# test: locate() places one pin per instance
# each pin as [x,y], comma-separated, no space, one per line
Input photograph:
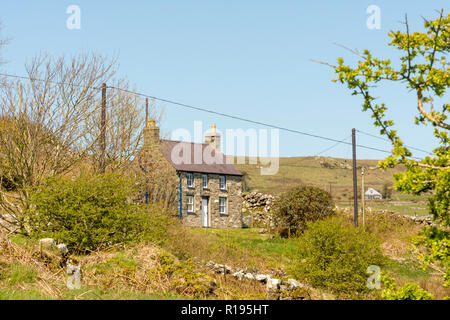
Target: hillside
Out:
[334,175]
[324,172]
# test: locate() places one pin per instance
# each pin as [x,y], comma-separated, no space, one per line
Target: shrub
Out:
[336,256]
[299,205]
[93,211]
[182,277]
[409,291]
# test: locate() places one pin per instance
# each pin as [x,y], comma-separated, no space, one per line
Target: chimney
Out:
[151,134]
[213,138]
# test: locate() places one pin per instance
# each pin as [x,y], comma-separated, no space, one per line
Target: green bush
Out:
[409,291]
[92,211]
[299,205]
[336,256]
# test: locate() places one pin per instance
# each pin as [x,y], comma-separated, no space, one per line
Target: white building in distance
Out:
[371,194]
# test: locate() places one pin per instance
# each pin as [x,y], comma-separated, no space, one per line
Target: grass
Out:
[18,274]
[20,294]
[277,252]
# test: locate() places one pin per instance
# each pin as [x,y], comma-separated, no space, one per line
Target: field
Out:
[334,175]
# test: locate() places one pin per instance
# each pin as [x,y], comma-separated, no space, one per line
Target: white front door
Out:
[205,212]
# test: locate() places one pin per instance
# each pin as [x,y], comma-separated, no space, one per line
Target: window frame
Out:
[224,182]
[203,181]
[225,206]
[190,176]
[188,204]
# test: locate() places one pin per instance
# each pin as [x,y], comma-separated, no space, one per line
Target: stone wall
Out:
[233,193]
[257,208]
[422,220]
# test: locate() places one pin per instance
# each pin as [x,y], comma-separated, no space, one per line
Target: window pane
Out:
[222,182]
[222,205]
[205,181]
[190,203]
[190,180]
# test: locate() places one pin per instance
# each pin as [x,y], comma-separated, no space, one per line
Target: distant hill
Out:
[333,174]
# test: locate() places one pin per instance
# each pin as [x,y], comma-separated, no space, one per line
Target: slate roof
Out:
[219,167]
[372,192]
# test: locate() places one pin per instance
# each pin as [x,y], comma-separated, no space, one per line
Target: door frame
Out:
[207,212]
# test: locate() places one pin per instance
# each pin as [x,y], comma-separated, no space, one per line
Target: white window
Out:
[190,180]
[222,183]
[222,205]
[205,181]
[190,203]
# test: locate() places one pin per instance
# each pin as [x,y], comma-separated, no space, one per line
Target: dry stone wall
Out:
[258,206]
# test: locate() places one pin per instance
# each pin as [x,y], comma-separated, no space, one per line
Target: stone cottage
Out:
[208,189]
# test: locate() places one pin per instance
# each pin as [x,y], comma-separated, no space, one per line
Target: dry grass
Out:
[203,246]
[44,264]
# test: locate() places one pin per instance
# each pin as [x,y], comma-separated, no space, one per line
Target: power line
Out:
[246,119]
[334,145]
[212,112]
[48,81]
[384,139]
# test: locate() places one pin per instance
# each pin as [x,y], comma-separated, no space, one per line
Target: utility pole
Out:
[147,179]
[103,131]
[146,110]
[355,184]
[362,197]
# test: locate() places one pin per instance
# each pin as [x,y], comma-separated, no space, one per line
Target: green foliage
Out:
[336,256]
[409,291]
[92,211]
[424,69]
[182,276]
[126,264]
[299,205]
[434,245]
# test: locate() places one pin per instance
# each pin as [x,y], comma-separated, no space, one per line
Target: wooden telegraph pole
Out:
[147,179]
[362,197]
[103,131]
[146,110]
[355,184]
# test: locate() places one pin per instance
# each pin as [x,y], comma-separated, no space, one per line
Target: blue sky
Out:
[247,58]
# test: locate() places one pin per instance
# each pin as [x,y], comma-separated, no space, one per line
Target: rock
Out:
[249,276]
[273,289]
[294,284]
[273,284]
[62,248]
[283,287]
[238,274]
[221,268]
[47,242]
[262,277]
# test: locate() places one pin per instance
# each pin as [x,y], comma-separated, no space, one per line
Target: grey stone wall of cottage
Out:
[233,193]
